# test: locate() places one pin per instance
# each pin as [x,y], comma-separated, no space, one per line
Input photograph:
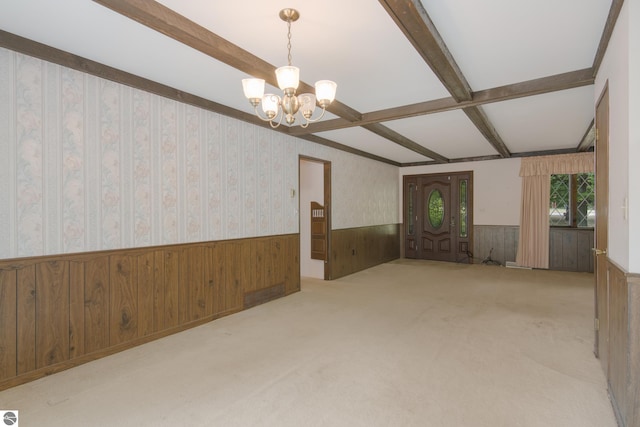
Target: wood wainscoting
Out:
[356,249]
[60,311]
[623,367]
[569,248]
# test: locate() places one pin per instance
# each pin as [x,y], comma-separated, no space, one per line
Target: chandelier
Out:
[287,106]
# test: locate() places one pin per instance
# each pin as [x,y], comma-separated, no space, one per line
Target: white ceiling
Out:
[357,44]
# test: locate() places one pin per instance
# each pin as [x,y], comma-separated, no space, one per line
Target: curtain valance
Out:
[557,164]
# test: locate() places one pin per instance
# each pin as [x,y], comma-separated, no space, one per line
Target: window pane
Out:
[463,208]
[410,210]
[559,201]
[436,209]
[585,206]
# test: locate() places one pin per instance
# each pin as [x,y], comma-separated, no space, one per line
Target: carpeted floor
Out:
[408,343]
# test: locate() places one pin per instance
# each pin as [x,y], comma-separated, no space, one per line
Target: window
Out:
[571,201]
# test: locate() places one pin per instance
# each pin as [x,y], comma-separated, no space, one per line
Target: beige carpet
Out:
[409,343]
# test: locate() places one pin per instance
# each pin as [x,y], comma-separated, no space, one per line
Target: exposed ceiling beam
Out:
[497,157]
[479,118]
[416,25]
[328,143]
[160,18]
[614,12]
[164,20]
[588,139]
[413,20]
[539,86]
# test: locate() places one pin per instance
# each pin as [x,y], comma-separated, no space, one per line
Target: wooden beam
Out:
[394,136]
[416,25]
[481,121]
[538,86]
[413,20]
[612,18]
[588,139]
[328,143]
[164,20]
[496,157]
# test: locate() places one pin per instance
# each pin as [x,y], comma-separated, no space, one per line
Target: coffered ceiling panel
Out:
[544,122]
[450,133]
[498,42]
[367,141]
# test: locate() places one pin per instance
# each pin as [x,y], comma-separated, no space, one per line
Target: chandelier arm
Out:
[265,119]
[309,120]
[279,121]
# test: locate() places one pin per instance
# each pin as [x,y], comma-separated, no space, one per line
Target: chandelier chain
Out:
[289,41]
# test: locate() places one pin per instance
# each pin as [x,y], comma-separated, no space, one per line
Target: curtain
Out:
[533,244]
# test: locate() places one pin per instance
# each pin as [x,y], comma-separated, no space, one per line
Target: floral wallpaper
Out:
[87,164]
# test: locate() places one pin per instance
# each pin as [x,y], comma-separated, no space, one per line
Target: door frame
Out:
[601,235]
[416,178]
[327,207]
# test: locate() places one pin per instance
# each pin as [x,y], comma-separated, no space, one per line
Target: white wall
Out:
[87,164]
[497,188]
[620,70]
[311,190]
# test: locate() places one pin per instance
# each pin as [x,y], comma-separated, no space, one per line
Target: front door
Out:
[601,233]
[438,216]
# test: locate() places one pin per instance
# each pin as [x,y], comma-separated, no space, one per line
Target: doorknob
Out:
[453,222]
[599,251]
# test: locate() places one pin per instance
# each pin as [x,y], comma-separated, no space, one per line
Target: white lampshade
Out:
[253,88]
[325,91]
[288,77]
[307,104]
[270,104]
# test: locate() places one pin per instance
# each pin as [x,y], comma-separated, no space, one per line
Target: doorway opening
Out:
[438,216]
[315,217]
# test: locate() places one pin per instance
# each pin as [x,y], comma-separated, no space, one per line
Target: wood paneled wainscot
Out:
[356,249]
[623,367]
[60,311]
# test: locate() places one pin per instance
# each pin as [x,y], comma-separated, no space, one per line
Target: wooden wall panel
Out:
[584,254]
[8,326]
[123,314]
[499,242]
[52,308]
[276,256]
[259,248]
[239,272]
[171,276]
[633,379]
[192,293]
[96,303]
[158,291]
[292,265]
[355,249]
[618,331]
[569,249]
[145,279]
[63,310]
[215,278]
[76,309]
[26,331]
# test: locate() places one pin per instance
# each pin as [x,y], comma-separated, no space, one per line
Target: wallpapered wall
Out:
[87,164]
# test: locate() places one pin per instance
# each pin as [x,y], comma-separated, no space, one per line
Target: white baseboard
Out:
[512,264]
